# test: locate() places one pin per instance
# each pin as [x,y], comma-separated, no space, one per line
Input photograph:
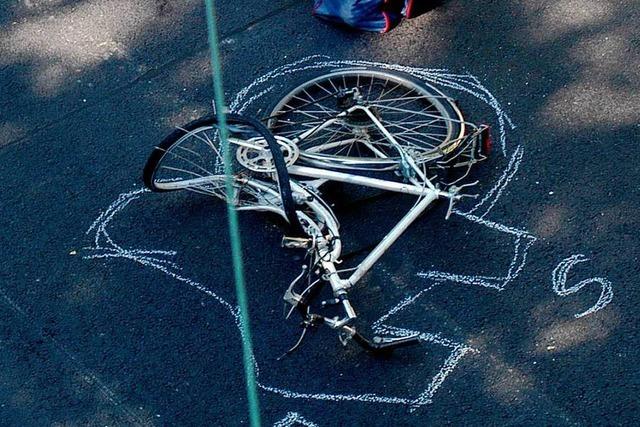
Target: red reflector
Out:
[487,141]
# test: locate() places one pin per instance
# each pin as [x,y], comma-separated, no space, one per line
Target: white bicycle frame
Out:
[328,258]
[328,252]
[322,227]
[299,202]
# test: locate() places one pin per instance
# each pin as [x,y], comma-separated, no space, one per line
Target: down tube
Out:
[390,238]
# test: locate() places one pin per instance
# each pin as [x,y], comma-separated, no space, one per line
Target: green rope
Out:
[234,231]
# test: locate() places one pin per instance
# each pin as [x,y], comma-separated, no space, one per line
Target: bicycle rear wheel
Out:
[424,122]
[192,158]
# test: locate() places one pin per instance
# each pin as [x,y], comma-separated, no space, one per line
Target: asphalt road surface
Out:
[147,338]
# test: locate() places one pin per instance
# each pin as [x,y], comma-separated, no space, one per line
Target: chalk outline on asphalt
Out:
[105,247]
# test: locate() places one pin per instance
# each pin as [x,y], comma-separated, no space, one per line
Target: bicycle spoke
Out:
[322,135]
[421,112]
[383,141]
[189,151]
[409,99]
[207,173]
[417,116]
[408,131]
[325,89]
[370,87]
[325,109]
[388,92]
[401,104]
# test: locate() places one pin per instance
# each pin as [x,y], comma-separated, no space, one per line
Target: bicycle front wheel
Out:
[192,158]
[423,121]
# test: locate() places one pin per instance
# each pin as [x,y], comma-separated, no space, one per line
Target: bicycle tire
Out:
[199,166]
[290,117]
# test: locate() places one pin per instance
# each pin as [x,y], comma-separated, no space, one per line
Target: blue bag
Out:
[369,15]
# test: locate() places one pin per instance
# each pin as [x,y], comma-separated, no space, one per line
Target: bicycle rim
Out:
[423,121]
[192,158]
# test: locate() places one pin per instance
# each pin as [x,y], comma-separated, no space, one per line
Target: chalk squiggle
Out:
[559,280]
[494,194]
[458,350]
[106,247]
[522,241]
[293,418]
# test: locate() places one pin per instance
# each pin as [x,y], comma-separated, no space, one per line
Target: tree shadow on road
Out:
[88,88]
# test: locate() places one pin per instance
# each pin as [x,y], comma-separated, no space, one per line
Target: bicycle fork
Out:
[340,286]
[379,345]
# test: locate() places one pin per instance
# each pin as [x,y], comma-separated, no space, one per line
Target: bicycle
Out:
[366,127]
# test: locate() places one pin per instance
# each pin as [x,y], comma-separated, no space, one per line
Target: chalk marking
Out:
[448,366]
[494,225]
[559,280]
[292,419]
[105,247]
[494,194]
[523,240]
[458,350]
[462,82]
[521,244]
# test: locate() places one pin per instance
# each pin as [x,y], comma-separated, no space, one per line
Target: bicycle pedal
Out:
[344,338]
[296,242]
[394,342]
[385,345]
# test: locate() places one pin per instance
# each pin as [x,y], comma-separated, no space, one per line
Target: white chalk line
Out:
[448,366]
[399,307]
[425,397]
[522,241]
[363,398]
[559,280]
[494,225]
[494,194]
[102,240]
[462,82]
[465,83]
[292,419]
[458,350]
[105,247]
